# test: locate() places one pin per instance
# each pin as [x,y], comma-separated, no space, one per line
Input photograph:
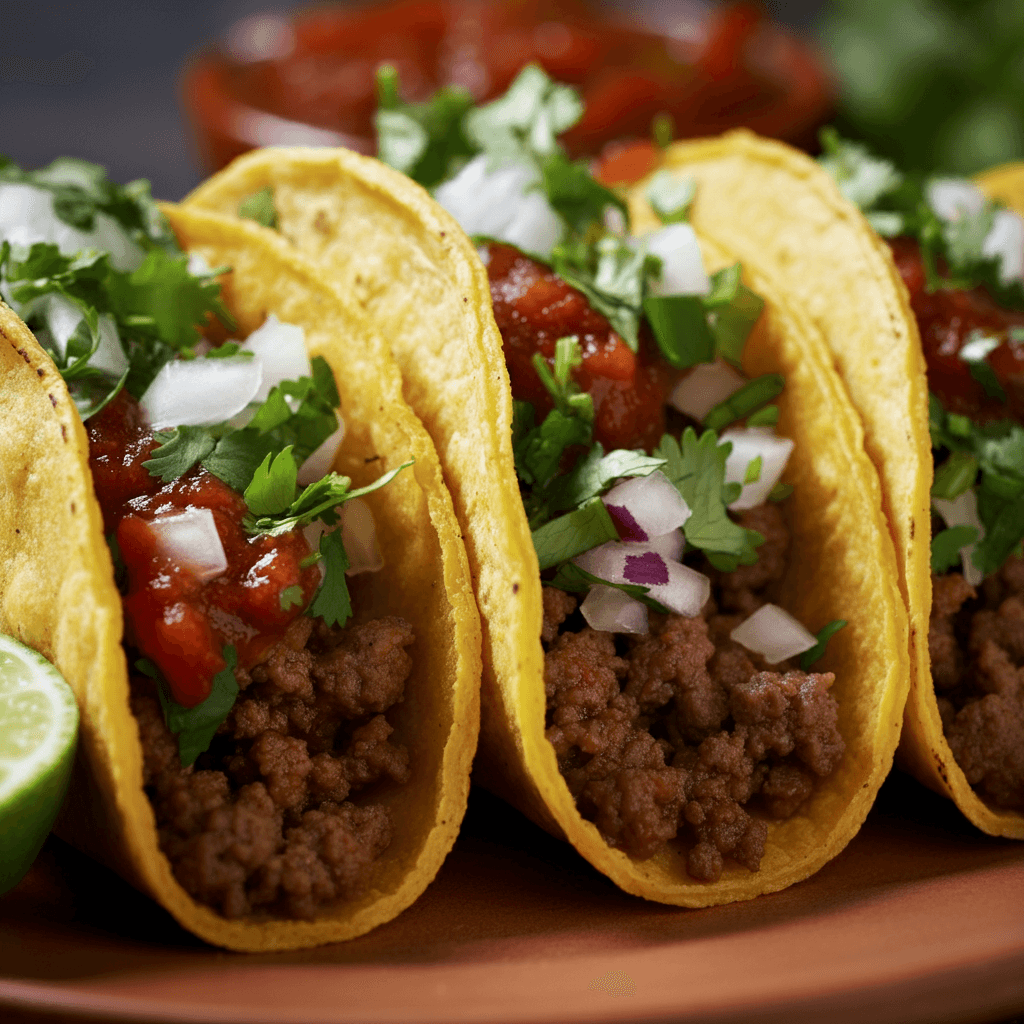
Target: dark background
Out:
[98,80]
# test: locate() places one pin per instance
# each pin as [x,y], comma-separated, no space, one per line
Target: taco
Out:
[279,753]
[618,709]
[844,274]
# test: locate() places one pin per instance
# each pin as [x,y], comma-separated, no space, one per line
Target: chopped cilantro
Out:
[195,727]
[179,450]
[272,488]
[680,327]
[808,658]
[332,602]
[956,475]
[766,417]
[780,492]
[572,534]
[753,470]
[260,207]
[594,473]
[574,193]
[946,545]
[290,597]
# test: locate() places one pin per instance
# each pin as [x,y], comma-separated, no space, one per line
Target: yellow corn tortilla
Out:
[426,288]
[57,590]
[776,208]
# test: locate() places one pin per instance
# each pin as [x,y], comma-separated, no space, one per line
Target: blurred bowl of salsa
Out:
[308,78]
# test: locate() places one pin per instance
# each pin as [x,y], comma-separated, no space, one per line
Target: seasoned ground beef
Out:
[263,821]
[976,643]
[684,733]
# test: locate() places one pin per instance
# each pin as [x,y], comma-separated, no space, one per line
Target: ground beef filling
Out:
[683,733]
[265,820]
[976,644]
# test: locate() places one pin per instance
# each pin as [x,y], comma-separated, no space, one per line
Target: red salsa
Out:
[534,307]
[728,67]
[173,618]
[946,317]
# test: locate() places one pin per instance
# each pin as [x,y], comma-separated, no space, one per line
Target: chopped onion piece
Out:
[612,611]
[774,634]
[1006,240]
[313,532]
[682,267]
[643,507]
[282,350]
[27,216]
[963,511]
[198,265]
[201,392]
[502,203]
[359,534]
[192,540]
[686,592]
[951,198]
[63,318]
[704,387]
[668,545]
[319,462]
[747,445]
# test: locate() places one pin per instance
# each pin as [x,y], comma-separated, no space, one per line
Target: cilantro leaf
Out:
[332,602]
[272,488]
[751,396]
[671,196]
[697,469]
[290,597]
[595,472]
[572,534]
[196,727]
[946,545]
[680,327]
[260,207]
[237,456]
[1003,532]
[956,475]
[179,450]
[574,193]
[808,658]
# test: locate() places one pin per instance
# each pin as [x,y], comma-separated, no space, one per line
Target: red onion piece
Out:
[774,634]
[704,387]
[747,445]
[192,541]
[612,611]
[643,507]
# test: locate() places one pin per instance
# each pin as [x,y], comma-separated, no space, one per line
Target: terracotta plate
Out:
[921,919]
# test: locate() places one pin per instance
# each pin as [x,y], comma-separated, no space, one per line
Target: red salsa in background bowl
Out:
[309,78]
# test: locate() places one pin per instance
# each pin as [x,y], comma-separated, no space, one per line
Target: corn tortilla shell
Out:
[776,207]
[438,320]
[57,590]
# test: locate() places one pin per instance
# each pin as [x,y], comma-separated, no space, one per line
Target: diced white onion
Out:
[319,462]
[952,198]
[668,545]
[192,541]
[704,387]
[281,348]
[612,611]
[27,216]
[62,317]
[359,535]
[197,264]
[201,392]
[686,592]
[774,634]
[1006,240]
[313,532]
[747,445]
[643,507]
[504,203]
[963,511]
[682,267]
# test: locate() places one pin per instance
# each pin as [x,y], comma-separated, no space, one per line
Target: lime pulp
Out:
[38,732]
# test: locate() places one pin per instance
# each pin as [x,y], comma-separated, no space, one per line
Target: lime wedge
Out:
[38,730]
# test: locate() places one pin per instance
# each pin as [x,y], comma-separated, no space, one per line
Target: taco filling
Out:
[260,714]
[677,701]
[962,261]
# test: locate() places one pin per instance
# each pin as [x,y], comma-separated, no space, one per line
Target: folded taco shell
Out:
[57,590]
[426,288]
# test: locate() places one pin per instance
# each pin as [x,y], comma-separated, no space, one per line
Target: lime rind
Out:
[38,733]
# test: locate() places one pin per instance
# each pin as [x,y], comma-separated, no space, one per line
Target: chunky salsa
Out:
[946,318]
[178,621]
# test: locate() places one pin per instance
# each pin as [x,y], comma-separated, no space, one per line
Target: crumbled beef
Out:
[264,820]
[683,733]
[976,642]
